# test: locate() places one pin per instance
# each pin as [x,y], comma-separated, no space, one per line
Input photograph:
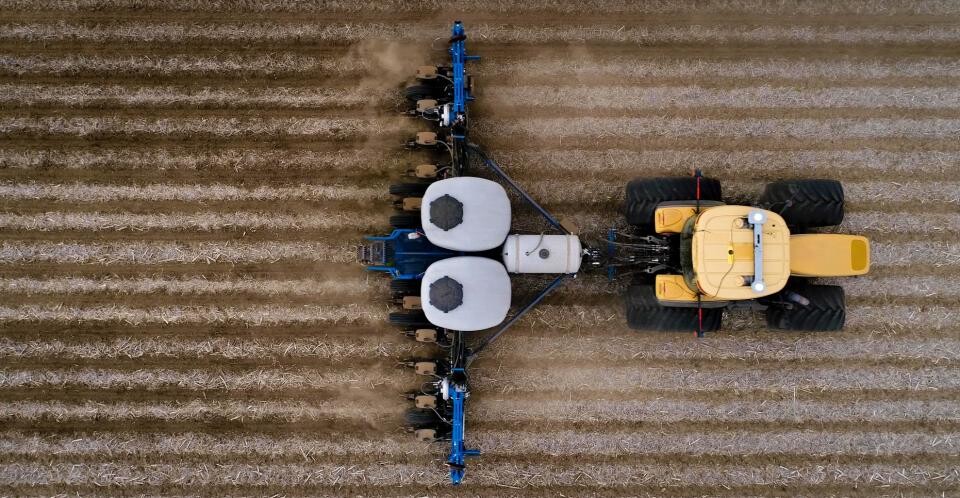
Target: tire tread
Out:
[812,203]
[644,312]
[825,313]
[644,194]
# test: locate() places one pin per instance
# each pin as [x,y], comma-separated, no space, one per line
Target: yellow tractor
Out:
[721,256]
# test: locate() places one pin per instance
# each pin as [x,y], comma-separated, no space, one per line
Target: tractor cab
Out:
[706,256]
[735,252]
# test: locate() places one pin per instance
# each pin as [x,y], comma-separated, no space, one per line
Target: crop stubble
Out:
[178,196]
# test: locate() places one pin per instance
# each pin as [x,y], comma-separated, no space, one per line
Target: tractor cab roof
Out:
[723,253]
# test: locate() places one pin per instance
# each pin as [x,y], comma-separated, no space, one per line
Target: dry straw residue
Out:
[147,253]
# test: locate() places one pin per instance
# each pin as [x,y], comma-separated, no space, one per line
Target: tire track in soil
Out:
[277,33]
[111,474]
[899,332]
[567,8]
[506,444]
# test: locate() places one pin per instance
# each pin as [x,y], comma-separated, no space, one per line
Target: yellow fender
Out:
[672,290]
[670,219]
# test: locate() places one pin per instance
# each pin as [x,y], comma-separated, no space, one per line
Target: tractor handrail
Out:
[756,219]
[490,163]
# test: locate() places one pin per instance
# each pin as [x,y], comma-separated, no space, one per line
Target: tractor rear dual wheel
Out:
[802,203]
[826,311]
[645,194]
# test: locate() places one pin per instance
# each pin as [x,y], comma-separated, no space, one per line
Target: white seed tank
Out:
[465,293]
[465,214]
[542,253]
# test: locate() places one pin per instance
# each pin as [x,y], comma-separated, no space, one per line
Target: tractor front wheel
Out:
[644,312]
[645,194]
[805,203]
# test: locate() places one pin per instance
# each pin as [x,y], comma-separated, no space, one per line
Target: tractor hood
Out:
[723,253]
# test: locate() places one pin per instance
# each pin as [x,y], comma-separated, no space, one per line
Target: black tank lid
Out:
[446,294]
[446,212]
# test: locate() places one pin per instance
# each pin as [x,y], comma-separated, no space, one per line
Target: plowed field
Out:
[182,184]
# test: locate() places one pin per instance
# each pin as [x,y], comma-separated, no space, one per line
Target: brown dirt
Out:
[141,341]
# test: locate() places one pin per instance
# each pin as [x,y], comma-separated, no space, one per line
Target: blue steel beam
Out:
[459,58]
[458,450]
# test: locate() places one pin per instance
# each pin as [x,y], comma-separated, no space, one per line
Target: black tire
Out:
[644,312]
[405,287]
[826,311]
[408,189]
[805,203]
[408,319]
[420,92]
[644,194]
[421,419]
[405,220]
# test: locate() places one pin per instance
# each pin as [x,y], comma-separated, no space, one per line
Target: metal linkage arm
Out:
[503,328]
[490,163]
